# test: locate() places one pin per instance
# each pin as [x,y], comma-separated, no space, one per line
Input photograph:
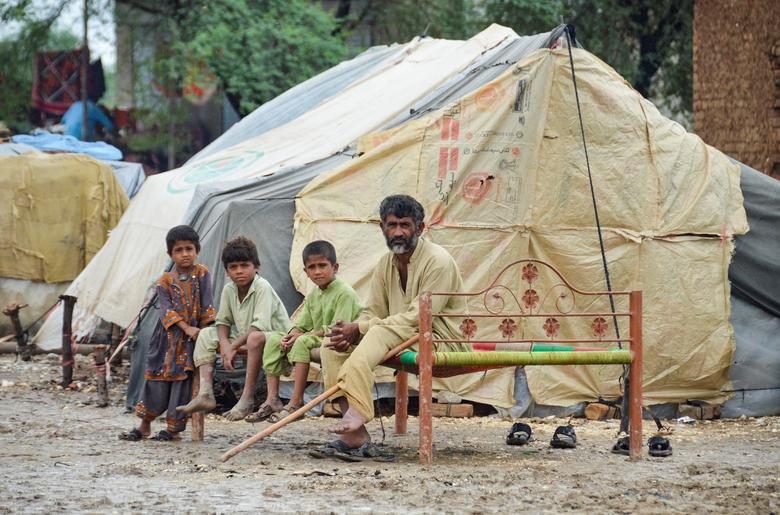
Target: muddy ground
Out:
[59,453]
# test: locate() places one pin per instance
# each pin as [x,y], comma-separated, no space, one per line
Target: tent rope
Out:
[569,30]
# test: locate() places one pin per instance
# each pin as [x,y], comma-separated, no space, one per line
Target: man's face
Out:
[242,272]
[400,233]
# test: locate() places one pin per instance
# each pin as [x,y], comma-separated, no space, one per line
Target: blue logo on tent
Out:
[219,168]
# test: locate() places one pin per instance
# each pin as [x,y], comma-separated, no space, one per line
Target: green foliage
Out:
[18,50]
[257,49]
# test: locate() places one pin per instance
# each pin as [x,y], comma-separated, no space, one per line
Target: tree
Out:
[18,50]
[649,42]
[256,49]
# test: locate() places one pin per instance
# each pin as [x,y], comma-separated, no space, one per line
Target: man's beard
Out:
[401,245]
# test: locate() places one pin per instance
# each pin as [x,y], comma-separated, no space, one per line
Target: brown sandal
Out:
[283,413]
[265,411]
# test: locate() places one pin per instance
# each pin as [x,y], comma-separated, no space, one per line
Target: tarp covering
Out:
[304,97]
[755,270]
[502,176]
[131,176]
[55,211]
[112,286]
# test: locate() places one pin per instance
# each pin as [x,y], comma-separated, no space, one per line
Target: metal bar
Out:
[67,351]
[197,417]
[401,402]
[535,340]
[425,365]
[500,358]
[529,315]
[635,377]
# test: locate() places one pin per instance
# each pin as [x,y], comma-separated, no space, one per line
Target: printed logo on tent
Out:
[477,186]
[490,97]
[219,168]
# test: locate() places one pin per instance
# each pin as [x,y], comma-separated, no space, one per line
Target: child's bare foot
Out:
[240,410]
[203,402]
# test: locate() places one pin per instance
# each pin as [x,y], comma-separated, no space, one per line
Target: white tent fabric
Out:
[112,286]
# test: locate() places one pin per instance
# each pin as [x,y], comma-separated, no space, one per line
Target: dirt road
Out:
[59,453]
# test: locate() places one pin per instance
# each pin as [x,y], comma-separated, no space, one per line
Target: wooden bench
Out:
[505,311]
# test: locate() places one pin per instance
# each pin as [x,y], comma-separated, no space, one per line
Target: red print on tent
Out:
[476,187]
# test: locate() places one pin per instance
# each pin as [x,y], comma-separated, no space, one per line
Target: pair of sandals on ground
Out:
[565,438]
[268,413]
[134,435]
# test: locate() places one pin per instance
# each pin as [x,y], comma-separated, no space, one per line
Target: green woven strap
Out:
[465,359]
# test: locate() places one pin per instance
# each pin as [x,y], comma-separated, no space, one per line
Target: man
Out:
[412,267]
[72,120]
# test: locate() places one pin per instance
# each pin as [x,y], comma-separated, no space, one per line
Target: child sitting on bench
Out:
[332,300]
[251,315]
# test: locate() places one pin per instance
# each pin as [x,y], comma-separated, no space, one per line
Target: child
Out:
[250,316]
[332,300]
[186,306]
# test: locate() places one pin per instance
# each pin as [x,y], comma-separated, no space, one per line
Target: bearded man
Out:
[414,265]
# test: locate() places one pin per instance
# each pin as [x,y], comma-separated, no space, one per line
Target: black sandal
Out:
[134,435]
[564,438]
[164,436]
[520,434]
[622,446]
[659,447]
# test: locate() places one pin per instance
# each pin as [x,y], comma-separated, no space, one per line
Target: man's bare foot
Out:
[203,402]
[239,411]
[352,429]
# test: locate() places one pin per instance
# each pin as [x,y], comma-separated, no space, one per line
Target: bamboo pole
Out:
[302,410]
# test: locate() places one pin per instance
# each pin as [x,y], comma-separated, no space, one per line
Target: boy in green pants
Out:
[251,315]
[332,300]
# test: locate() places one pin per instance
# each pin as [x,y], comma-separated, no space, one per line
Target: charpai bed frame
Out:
[515,311]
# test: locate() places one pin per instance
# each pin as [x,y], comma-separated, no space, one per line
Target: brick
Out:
[453,410]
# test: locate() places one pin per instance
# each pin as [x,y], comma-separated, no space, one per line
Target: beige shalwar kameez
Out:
[391,317]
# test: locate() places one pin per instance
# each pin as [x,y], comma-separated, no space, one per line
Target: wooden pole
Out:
[99,355]
[401,402]
[67,351]
[302,410]
[197,417]
[635,376]
[84,81]
[425,366]
[12,311]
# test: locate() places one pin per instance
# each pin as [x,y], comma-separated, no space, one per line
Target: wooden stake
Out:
[99,355]
[67,350]
[302,410]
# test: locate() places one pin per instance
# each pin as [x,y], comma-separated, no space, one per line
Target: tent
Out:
[55,211]
[262,206]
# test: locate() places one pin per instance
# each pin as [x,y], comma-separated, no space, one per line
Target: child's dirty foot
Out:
[200,403]
[239,411]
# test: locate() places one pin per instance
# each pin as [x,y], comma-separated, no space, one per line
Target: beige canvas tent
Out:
[55,212]
[502,175]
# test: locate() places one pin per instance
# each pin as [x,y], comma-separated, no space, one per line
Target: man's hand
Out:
[342,335]
[287,341]
[192,332]
[227,354]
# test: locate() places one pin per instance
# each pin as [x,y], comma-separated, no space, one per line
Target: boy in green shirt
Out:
[332,300]
[251,315]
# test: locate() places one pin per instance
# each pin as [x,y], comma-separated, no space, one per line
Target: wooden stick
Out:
[303,409]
